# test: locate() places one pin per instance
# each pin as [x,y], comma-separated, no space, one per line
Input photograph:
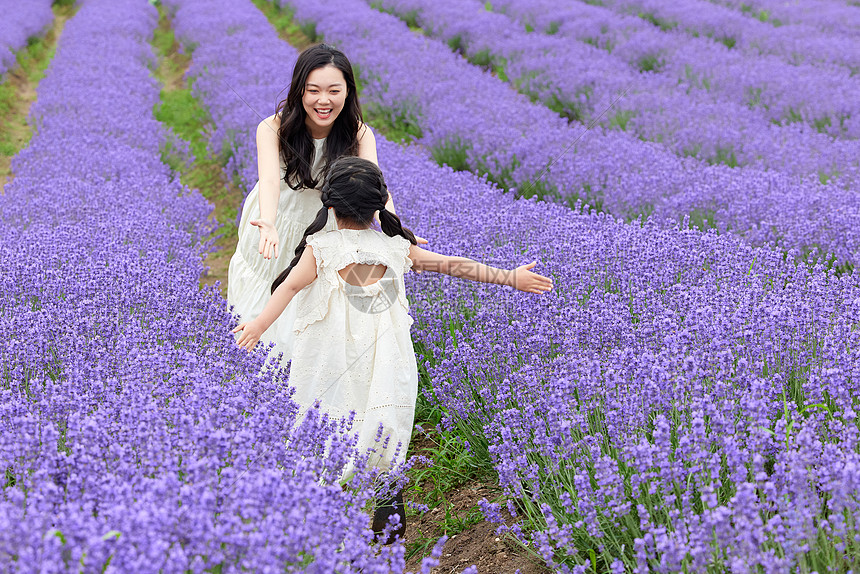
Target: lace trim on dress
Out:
[337,248]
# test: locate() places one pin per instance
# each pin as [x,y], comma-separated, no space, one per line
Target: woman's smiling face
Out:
[323,99]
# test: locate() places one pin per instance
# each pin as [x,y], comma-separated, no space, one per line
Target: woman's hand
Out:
[525,280]
[268,238]
[251,333]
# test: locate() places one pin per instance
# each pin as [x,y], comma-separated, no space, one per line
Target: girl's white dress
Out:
[352,350]
[250,275]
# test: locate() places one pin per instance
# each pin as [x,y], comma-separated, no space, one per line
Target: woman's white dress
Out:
[250,275]
[352,350]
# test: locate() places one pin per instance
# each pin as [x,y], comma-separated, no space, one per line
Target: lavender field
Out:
[684,400]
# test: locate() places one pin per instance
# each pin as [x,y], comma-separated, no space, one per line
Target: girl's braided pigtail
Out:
[391,226]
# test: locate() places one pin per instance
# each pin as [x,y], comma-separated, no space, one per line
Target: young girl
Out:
[352,349]
[318,122]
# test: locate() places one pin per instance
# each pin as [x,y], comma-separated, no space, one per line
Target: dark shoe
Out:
[384,510]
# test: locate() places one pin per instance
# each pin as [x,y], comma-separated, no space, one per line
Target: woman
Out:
[318,122]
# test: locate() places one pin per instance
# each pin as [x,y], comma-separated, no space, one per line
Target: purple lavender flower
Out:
[817,94]
[828,16]
[21,22]
[682,400]
[794,43]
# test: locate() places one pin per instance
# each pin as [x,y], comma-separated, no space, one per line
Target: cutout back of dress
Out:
[362,274]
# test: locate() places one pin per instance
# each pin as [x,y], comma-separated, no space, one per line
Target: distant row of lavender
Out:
[644,321]
[581,81]
[20,22]
[827,15]
[795,43]
[779,91]
[472,120]
[238,93]
[134,435]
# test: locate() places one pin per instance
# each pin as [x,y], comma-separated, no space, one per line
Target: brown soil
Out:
[171,69]
[13,123]
[477,545]
[471,540]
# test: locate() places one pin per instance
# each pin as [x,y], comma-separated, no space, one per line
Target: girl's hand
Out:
[251,333]
[525,280]
[268,238]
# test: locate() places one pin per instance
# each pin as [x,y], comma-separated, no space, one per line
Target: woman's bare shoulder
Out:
[365,131]
[273,121]
[267,130]
[366,144]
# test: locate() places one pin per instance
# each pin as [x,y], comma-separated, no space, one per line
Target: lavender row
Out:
[134,435]
[827,15]
[795,44]
[783,93]
[497,131]
[644,321]
[21,21]
[638,409]
[580,82]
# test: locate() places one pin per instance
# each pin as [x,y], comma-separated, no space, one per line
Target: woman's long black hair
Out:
[295,141]
[356,190]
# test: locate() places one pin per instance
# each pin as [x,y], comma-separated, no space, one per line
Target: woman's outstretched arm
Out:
[268,168]
[521,278]
[300,277]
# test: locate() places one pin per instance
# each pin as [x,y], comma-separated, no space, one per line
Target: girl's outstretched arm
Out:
[300,277]
[521,278]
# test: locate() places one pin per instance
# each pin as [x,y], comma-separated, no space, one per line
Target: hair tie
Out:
[325,197]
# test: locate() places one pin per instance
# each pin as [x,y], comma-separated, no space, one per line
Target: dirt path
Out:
[20,85]
[476,545]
